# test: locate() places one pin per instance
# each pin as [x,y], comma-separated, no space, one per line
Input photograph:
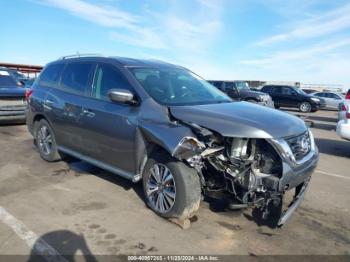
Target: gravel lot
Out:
[79,209]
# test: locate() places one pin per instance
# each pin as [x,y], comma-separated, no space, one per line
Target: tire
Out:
[45,141]
[184,186]
[305,107]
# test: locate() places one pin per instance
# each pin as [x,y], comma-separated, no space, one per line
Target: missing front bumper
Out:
[298,198]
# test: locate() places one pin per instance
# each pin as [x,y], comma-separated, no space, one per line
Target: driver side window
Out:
[108,77]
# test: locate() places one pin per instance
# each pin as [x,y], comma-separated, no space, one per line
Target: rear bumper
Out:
[13,114]
[343,129]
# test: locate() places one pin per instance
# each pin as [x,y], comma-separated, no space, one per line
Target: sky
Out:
[289,40]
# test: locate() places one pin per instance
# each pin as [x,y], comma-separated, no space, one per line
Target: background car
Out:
[239,90]
[12,99]
[332,99]
[21,78]
[290,96]
[343,108]
[347,96]
[343,126]
[309,91]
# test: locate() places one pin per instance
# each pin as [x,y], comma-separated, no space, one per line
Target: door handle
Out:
[88,112]
[48,104]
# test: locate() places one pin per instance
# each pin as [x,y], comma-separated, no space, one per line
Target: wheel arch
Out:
[155,138]
[251,98]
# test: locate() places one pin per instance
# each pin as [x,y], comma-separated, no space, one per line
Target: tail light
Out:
[28,94]
[348,115]
[347,95]
[343,108]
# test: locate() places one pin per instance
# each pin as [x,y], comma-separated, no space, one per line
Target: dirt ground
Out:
[76,208]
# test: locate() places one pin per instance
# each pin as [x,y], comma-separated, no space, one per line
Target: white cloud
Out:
[163,30]
[299,54]
[102,15]
[320,25]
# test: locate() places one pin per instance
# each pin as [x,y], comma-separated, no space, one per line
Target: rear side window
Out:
[217,84]
[276,90]
[266,89]
[287,91]
[50,75]
[230,85]
[108,77]
[76,77]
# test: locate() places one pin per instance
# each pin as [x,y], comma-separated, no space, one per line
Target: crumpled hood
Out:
[241,119]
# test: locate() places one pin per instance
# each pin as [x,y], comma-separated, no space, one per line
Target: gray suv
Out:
[164,125]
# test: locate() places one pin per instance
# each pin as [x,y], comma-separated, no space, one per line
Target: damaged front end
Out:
[254,172]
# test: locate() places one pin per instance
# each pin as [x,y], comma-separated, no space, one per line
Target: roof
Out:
[142,62]
[124,61]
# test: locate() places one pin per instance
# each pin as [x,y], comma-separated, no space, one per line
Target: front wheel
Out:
[305,107]
[171,188]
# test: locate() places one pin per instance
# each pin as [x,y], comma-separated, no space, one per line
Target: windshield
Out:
[242,85]
[300,91]
[178,87]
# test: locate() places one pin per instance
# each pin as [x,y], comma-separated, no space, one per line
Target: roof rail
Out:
[78,55]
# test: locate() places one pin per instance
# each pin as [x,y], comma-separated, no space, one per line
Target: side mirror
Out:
[123,96]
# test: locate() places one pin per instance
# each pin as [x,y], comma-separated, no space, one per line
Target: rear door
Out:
[64,105]
[109,128]
[334,100]
[289,97]
[277,97]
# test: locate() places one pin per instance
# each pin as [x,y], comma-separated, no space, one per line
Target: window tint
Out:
[50,75]
[320,94]
[217,84]
[108,77]
[276,90]
[230,85]
[76,77]
[266,89]
[287,91]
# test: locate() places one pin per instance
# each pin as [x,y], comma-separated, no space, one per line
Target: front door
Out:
[109,127]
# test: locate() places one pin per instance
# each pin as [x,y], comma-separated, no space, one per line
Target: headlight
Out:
[188,147]
[263,97]
[315,99]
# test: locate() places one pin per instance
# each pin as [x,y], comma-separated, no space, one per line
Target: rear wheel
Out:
[45,141]
[171,188]
[305,107]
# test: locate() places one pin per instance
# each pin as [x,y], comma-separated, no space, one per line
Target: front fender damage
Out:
[248,169]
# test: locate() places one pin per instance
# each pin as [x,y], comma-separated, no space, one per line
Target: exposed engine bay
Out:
[248,169]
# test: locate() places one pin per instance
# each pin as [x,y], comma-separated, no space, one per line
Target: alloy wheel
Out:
[44,138]
[305,107]
[160,188]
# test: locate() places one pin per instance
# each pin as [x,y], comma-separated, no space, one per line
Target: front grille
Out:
[300,145]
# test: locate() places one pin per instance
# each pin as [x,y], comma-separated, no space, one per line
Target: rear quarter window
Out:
[51,74]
